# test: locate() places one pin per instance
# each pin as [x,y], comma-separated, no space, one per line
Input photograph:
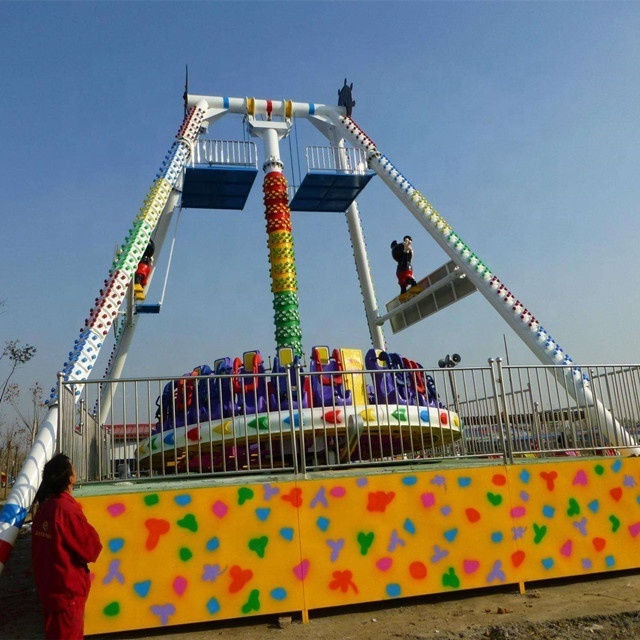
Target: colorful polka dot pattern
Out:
[220,552]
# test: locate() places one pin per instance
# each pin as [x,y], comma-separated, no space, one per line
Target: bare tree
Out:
[17,356]
[32,418]
[14,447]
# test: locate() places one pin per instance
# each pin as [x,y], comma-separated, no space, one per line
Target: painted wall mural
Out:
[196,552]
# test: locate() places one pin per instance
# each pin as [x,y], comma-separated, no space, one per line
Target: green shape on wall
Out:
[151,499]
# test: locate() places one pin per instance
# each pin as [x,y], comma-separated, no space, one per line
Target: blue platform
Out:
[217,187]
[148,308]
[329,191]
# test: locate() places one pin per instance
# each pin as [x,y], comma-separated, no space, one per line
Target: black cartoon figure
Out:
[403,255]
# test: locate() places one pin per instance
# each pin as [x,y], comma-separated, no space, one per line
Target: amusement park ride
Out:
[200,172]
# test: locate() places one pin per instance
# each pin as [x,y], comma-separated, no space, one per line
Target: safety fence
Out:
[339,159]
[231,153]
[296,421]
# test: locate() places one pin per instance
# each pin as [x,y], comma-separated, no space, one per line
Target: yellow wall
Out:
[176,556]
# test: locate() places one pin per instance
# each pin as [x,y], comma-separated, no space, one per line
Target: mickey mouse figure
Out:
[403,255]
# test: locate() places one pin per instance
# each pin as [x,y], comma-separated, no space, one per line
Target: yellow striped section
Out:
[280,285]
[286,267]
[281,239]
[155,201]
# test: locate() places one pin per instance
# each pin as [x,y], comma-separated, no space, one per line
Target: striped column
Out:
[96,327]
[521,320]
[542,344]
[105,310]
[284,284]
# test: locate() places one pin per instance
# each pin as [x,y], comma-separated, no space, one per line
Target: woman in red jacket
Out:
[62,543]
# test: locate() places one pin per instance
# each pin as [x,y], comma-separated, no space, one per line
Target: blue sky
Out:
[518,121]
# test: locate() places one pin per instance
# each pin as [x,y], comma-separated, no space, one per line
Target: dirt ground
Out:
[606,607]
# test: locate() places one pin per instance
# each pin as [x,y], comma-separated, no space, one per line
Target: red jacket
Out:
[62,543]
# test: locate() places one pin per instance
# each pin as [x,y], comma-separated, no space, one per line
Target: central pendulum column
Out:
[284,284]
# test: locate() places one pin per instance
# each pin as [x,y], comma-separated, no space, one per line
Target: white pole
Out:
[91,338]
[358,244]
[23,492]
[364,277]
[521,320]
[121,350]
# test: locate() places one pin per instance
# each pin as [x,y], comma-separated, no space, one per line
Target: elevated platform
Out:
[222,175]
[217,187]
[329,191]
[438,290]
[148,307]
[335,177]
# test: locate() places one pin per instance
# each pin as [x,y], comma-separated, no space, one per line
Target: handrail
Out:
[272,422]
[345,160]
[224,153]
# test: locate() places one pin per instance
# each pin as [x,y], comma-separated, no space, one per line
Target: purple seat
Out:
[179,403]
[279,396]
[251,391]
[402,392]
[326,382]
[377,363]
[218,393]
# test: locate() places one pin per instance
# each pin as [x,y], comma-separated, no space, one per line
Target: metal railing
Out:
[276,421]
[339,159]
[224,153]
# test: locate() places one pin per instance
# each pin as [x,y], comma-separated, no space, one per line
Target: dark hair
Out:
[408,238]
[56,477]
